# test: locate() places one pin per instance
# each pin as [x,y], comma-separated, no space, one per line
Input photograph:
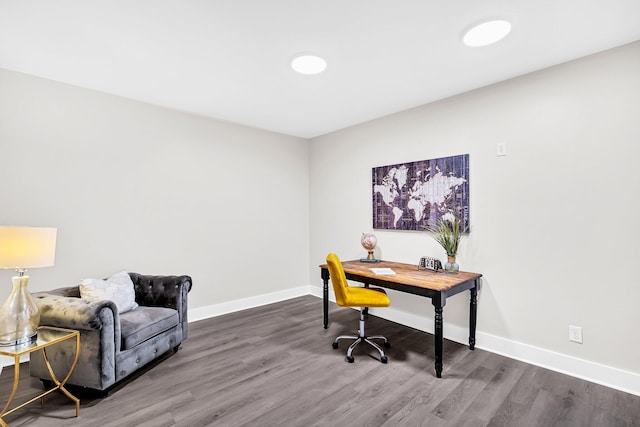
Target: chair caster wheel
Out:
[334,345]
[387,344]
[350,359]
[384,359]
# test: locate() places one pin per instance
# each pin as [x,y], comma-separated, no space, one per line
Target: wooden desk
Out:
[437,286]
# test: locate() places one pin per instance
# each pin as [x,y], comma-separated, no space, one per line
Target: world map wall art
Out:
[410,196]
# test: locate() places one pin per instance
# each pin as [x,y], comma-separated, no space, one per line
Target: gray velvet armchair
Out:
[114,345]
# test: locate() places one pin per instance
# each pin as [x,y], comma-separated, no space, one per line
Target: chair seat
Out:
[142,323]
[365,297]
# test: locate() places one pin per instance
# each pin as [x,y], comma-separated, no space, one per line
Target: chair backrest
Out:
[338,278]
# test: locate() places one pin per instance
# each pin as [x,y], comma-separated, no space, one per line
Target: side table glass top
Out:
[47,335]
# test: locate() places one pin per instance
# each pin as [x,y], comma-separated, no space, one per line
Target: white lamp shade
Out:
[27,247]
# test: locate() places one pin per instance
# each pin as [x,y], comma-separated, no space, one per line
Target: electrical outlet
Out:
[501,149]
[575,334]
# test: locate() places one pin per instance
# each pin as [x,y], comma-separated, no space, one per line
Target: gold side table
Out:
[47,336]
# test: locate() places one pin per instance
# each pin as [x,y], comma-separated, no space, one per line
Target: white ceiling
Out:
[229,59]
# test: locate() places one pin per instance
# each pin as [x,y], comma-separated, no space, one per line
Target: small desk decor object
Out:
[369,242]
[47,337]
[429,263]
[447,233]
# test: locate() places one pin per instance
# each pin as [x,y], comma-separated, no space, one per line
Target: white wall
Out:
[141,188]
[555,223]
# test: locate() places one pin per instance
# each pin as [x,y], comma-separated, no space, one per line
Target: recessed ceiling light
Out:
[487,33]
[306,63]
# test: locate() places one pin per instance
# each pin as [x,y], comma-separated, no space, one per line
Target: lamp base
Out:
[19,315]
[22,342]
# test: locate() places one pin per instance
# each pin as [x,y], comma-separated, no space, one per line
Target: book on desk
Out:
[383,271]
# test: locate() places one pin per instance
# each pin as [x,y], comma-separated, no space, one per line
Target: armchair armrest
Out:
[100,336]
[75,313]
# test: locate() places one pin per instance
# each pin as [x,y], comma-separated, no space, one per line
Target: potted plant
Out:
[447,234]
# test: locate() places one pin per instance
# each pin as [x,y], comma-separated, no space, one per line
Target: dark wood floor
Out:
[274,366]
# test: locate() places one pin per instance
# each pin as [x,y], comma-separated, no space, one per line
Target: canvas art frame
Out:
[416,195]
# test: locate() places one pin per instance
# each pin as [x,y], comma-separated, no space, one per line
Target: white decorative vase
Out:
[20,315]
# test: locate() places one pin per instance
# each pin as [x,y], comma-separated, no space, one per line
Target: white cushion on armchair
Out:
[117,288]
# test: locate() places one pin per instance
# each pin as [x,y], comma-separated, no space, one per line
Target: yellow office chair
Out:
[351,296]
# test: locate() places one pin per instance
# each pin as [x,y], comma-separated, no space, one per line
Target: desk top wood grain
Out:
[408,274]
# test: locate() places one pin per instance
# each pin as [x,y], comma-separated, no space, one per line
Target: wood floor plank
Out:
[486,404]
[274,366]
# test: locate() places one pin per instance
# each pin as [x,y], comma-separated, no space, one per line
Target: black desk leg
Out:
[365,310]
[437,303]
[473,313]
[325,297]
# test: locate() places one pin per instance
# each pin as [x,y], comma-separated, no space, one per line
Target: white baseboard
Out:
[619,379]
[200,313]
[609,376]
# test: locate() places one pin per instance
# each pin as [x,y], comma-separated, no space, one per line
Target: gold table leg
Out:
[59,385]
[16,379]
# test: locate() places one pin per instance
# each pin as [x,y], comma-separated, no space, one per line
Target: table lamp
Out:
[22,248]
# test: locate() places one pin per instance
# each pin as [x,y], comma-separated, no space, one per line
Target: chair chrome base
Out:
[360,338]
